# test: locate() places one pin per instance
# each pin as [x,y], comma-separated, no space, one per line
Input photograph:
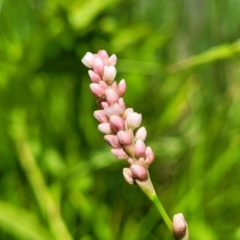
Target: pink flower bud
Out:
[139,172]
[121,88]
[119,153]
[111,96]
[127,173]
[97,90]
[102,83]
[93,76]
[113,110]
[125,138]
[104,128]
[112,60]
[122,104]
[88,60]
[134,119]
[117,123]
[180,228]
[98,66]
[102,103]
[139,149]
[102,54]
[149,156]
[100,116]
[112,140]
[141,134]
[109,73]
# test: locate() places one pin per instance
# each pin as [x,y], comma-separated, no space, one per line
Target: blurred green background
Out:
[181,63]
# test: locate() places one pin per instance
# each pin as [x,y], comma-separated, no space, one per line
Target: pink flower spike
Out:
[139,172]
[113,110]
[127,173]
[109,73]
[119,153]
[111,96]
[139,149]
[141,134]
[117,123]
[149,156]
[134,120]
[104,128]
[93,76]
[97,90]
[124,138]
[88,60]
[112,60]
[121,88]
[98,66]
[112,140]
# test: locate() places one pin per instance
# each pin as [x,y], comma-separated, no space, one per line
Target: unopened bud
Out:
[105,128]
[116,123]
[111,96]
[112,140]
[127,173]
[121,88]
[94,76]
[149,156]
[119,153]
[97,90]
[180,228]
[100,116]
[125,138]
[112,60]
[139,149]
[98,66]
[88,60]
[109,73]
[141,134]
[139,172]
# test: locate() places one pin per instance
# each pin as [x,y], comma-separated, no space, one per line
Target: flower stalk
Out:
[120,126]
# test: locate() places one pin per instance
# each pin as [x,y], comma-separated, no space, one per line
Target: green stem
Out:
[148,189]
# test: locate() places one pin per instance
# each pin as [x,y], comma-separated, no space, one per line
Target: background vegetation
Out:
[181,63]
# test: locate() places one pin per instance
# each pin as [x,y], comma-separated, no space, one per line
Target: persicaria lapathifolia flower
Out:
[118,123]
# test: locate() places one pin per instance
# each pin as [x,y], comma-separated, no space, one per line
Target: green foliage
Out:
[181,63]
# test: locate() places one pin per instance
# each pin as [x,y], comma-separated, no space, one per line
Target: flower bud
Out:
[133,119]
[109,73]
[141,134]
[180,228]
[88,60]
[102,54]
[127,173]
[139,172]
[122,104]
[149,156]
[98,66]
[112,60]
[112,140]
[121,88]
[111,96]
[139,148]
[115,109]
[94,76]
[102,103]
[100,116]
[104,128]
[97,90]
[125,138]
[116,123]
[119,153]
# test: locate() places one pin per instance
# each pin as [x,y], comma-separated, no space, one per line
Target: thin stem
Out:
[162,211]
[148,189]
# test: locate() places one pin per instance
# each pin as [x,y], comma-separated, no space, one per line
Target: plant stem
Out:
[148,189]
